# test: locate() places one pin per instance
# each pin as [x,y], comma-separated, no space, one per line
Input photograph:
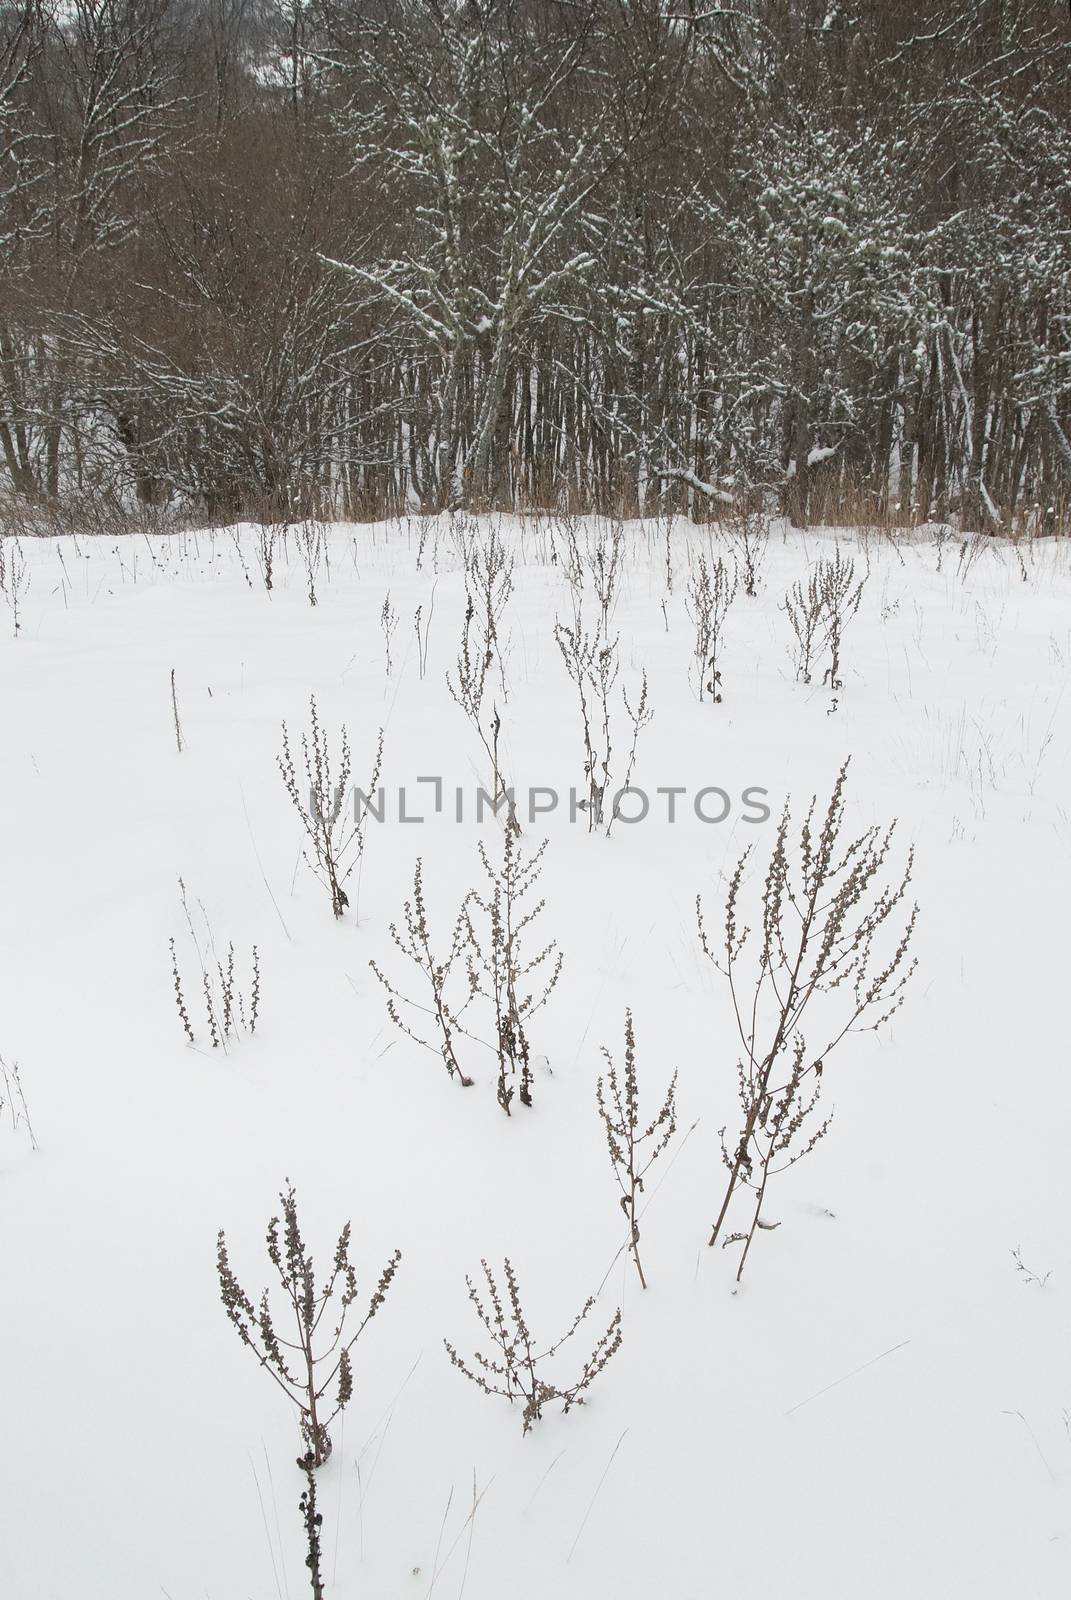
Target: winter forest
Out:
[279,258]
[535,839]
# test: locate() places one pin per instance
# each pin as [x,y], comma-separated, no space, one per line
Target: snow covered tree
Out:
[500,128]
[824,259]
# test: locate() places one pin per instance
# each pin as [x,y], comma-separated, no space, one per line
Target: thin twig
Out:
[854,1372]
[595,1496]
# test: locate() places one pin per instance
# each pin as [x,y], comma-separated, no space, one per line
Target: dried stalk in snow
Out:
[499,968]
[633,1148]
[834,931]
[516,1370]
[335,833]
[316,1376]
[415,945]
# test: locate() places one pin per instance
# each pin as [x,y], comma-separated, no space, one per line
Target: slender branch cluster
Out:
[711,591]
[516,985]
[14,577]
[834,939]
[13,1101]
[415,944]
[819,612]
[311,539]
[334,831]
[633,1148]
[388,621]
[228,1010]
[313,1366]
[749,532]
[592,662]
[488,587]
[604,554]
[516,1370]
[840,601]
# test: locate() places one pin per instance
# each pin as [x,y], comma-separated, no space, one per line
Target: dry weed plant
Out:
[14,577]
[633,1148]
[388,621]
[488,953]
[1028,1275]
[592,553]
[93,514]
[240,553]
[422,630]
[591,660]
[464,536]
[311,539]
[604,558]
[565,531]
[489,584]
[832,926]
[749,536]
[804,607]
[227,1010]
[969,551]
[668,517]
[265,552]
[13,1101]
[711,591]
[840,598]
[314,1366]
[334,831]
[425,529]
[515,984]
[488,587]
[415,944]
[516,1370]
[819,612]
[175,712]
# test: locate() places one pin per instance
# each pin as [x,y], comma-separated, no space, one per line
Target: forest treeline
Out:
[277,258]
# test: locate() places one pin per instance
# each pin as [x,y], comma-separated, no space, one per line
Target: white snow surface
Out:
[882,1409]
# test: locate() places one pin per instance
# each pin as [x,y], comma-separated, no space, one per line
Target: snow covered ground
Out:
[885,1405]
